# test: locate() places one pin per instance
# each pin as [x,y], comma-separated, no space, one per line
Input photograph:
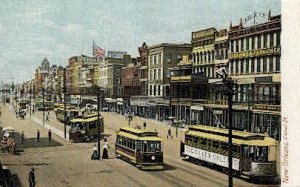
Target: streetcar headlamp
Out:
[153,157]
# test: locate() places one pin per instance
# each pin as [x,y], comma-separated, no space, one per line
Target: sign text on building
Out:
[254,53]
[267,107]
[203,33]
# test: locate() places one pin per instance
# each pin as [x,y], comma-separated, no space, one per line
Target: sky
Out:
[58,29]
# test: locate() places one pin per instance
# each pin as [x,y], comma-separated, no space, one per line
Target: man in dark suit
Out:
[31,178]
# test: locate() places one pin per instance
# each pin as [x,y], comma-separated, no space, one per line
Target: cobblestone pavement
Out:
[61,163]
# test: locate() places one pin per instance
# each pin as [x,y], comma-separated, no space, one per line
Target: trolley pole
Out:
[98,121]
[43,92]
[65,112]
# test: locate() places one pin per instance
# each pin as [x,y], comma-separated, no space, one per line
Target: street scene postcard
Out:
[158,93]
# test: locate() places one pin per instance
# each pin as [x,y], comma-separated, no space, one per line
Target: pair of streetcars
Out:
[254,155]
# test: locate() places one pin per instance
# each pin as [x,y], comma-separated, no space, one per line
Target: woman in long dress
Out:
[105,150]
[95,153]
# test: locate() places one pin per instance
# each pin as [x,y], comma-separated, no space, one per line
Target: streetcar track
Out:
[125,174]
[172,179]
[193,172]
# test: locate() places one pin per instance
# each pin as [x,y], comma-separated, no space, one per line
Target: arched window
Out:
[197,58]
[208,54]
[204,56]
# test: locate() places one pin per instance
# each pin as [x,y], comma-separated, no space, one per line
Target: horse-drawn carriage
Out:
[8,143]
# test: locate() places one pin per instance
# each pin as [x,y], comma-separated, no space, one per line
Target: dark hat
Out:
[32,168]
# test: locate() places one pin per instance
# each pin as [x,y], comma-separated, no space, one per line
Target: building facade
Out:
[254,63]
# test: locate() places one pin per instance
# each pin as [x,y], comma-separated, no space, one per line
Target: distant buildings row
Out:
[177,80]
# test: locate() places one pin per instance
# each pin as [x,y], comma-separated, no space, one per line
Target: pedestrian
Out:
[31,178]
[95,153]
[22,137]
[49,135]
[105,150]
[38,135]
[169,133]
[33,111]
[145,125]
[176,131]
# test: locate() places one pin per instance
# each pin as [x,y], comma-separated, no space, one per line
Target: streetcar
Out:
[254,155]
[139,147]
[85,128]
[70,111]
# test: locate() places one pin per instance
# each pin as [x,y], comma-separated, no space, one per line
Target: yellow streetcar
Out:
[84,128]
[140,147]
[254,155]
[71,112]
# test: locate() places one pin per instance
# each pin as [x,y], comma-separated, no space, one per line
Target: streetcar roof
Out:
[135,137]
[138,132]
[266,141]
[223,131]
[89,119]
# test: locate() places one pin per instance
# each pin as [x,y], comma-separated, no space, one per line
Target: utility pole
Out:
[65,112]
[43,93]
[30,100]
[228,84]
[98,121]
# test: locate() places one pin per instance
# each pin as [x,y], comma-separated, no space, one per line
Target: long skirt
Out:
[94,155]
[105,154]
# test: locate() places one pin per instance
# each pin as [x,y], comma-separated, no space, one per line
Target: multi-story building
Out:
[254,63]
[143,68]
[79,74]
[40,75]
[161,58]
[131,80]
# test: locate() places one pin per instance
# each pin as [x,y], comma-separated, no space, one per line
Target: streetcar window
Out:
[145,146]
[92,125]
[216,144]
[203,141]
[77,126]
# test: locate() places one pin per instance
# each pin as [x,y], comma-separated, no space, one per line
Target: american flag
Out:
[98,52]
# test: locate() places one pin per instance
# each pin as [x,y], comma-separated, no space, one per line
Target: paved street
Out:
[61,163]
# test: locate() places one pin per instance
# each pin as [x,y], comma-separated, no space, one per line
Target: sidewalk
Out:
[48,126]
